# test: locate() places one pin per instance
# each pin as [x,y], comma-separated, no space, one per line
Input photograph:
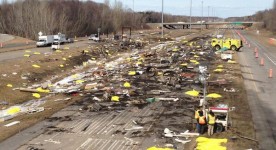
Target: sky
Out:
[220,8]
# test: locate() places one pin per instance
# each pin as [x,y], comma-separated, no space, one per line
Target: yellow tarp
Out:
[132,73]
[36,66]
[210,144]
[36,95]
[115,98]
[127,85]
[158,148]
[13,110]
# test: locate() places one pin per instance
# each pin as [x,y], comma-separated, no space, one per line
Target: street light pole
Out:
[191,15]
[162,18]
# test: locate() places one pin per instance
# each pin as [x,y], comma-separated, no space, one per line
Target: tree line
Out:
[268,17]
[26,18]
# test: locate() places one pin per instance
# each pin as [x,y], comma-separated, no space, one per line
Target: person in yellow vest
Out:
[199,108]
[211,122]
[202,122]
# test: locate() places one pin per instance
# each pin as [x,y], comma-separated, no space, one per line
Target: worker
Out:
[199,108]
[211,122]
[201,121]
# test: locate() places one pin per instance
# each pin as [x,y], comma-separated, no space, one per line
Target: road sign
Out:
[40,33]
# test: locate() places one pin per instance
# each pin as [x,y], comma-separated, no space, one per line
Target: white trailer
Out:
[60,38]
[45,40]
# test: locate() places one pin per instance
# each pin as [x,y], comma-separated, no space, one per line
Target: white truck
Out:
[94,37]
[45,40]
[60,38]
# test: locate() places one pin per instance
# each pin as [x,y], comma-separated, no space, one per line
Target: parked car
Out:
[94,37]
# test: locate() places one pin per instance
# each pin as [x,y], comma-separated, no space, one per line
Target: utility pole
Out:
[208,13]
[162,18]
[191,15]
[201,15]
[133,12]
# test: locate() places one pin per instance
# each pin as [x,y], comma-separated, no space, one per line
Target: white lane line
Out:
[84,144]
[270,59]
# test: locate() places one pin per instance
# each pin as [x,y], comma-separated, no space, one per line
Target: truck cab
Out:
[231,44]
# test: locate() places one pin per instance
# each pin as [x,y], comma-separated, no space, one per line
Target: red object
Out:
[257,55]
[1,45]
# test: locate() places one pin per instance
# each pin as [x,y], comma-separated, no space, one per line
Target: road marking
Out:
[84,144]
[270,59]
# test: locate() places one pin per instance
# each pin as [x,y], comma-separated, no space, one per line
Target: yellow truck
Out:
[231,44]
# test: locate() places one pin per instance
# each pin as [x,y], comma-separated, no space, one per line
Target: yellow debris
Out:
[196,56]
[86,51]
[36,66]
[132,73]
[28,51]
[139,63]
[127,85]
[84,64]
[185,64]
[37,53]
[160,73]
[64,59]
[115,98]
[66,48]
[58,51]
[193,61]
[220,66]
[93,58]
[27,55]
[210,144]
[36,95]
[79,81]
[75,75]
[231,62]
[69,56]
[42,90]
[13,110]
[9,85]
[218,70]
[158,148]
[61,66]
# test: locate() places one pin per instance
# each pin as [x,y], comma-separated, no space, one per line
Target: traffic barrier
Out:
[257,55]
[270,73]
[262,62]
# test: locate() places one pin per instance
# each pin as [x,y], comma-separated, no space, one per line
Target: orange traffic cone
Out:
[262,62]
[270,73]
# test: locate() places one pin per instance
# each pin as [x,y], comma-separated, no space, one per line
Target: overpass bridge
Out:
[187,25]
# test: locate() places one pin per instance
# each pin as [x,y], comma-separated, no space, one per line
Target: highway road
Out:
[20,53]
[260,89]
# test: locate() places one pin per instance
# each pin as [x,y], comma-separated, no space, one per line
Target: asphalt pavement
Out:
[260,89]
[20,53]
